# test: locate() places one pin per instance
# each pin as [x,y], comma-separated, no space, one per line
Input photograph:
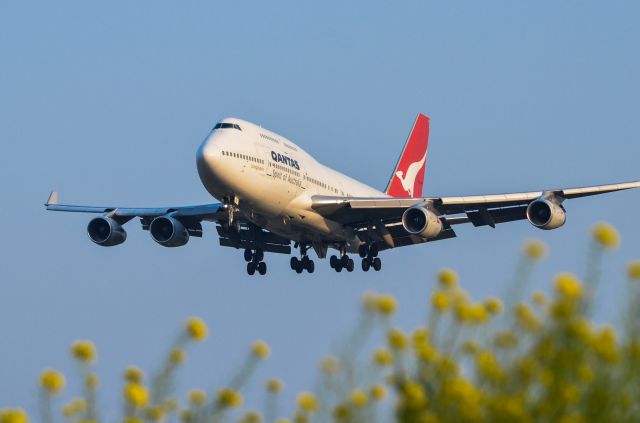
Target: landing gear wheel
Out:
[338,268]
[248,255]
[311,266]
[251,268]
[366,264]
[377,264]
[362,251]
[299,267]
[333,262]
[350,265]
[294,263]
[373,250]
[262,268]
[259,255]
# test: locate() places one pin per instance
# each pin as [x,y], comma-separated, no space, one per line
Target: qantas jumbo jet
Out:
[272,193]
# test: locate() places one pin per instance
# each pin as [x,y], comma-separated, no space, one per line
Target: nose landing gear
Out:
[254,262]
[369,255]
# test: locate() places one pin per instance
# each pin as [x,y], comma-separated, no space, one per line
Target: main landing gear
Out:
[344,262]
[303,263]
[369,255]
[254,262]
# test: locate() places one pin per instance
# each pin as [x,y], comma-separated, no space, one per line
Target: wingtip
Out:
[53,198]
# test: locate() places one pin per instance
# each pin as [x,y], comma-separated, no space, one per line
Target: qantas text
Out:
[277,157]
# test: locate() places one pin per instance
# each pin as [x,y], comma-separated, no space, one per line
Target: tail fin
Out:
[407,178]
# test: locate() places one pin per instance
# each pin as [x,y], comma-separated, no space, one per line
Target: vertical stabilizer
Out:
[407,178]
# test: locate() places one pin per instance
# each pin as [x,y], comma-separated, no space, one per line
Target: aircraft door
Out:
[265,154]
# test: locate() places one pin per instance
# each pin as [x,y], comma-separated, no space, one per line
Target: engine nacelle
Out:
[545,214]
[168,232]
[420,221]
[106,232]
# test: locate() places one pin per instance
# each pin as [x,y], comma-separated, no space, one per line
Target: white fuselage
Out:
[271,181]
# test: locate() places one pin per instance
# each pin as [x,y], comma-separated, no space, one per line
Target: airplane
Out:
[272,194]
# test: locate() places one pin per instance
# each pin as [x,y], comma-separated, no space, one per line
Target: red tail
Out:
[408,176]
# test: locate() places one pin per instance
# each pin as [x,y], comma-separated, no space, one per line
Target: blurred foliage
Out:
[538,359]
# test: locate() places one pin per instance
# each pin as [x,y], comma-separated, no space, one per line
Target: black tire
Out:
[366,264]
[350,265]
[333,262]
[311,266]
[338,268]
[377,264]
[251,268]
[248,255]
[299,268]
[344,260]
[262,268]
[259,256]
[373,250]
[293,262]
[362,251]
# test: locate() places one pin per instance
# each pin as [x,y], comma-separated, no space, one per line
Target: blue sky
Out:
[107,103]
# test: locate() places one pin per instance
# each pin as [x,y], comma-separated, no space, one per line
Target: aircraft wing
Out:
[480,210]
[209,212]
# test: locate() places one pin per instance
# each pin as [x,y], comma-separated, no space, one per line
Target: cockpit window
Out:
[227,125]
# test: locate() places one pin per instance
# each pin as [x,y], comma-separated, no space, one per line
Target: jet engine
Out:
[418,220]
[168,232]
[545,214]
[106,232]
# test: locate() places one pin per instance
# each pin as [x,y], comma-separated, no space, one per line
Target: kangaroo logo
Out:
[408,181]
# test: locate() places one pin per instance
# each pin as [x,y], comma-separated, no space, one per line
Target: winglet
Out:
[53,198]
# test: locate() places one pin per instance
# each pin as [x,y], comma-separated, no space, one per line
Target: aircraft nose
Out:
[207,159]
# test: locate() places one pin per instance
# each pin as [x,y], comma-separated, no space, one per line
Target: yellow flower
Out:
[359,398]
[633,270]
[229,398]
[197,397]
[568,286]
[378,392]
[493,306]
[370,301]
[133,374]
[386,305]
[488,367]
[274,386]
[539,298]
[420,336]
[84,351]
[135,394]
[447,278]
[412,395]
[52,381]
[606,236]
[526,318]
[177,355]
[506,339]
[155,414]
[426,352]
[16,415]
[260,349]
[252,417]
[382,357]
[92,381]
[470,347]
[341,413]
[440,301]
[534,250]
[196,328]
[308,402]
[329,365]
[186,416]
[170,405]
[397,339]
[131,419]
